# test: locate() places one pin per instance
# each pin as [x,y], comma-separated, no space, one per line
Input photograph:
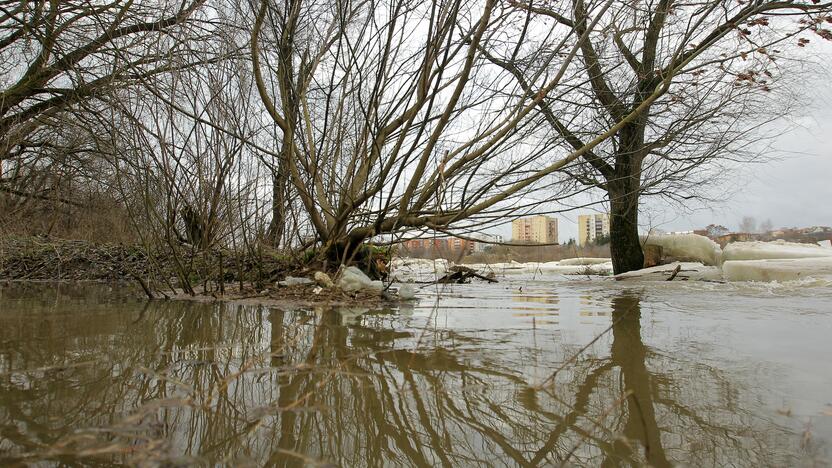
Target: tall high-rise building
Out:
[538,229]
[592,226]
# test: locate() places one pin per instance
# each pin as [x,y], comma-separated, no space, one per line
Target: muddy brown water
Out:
[647,373]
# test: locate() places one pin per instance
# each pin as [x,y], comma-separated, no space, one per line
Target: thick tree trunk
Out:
[624,190]
[625,245]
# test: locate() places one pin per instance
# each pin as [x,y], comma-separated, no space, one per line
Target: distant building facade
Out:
[535,229]
[593,226]
[440,246]
[484,241]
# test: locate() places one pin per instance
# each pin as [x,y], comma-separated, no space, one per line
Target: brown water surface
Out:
[557,373]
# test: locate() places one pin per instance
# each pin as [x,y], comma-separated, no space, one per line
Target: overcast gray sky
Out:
[793,191]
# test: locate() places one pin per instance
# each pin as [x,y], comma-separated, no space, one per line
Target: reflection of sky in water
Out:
[702,374]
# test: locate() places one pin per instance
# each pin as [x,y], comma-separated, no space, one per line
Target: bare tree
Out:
[392,118]
[717,64]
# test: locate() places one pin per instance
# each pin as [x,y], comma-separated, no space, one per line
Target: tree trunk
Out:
[625,245]
[277,227]
[280,198]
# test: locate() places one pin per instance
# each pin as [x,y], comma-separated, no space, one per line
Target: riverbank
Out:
[194,276]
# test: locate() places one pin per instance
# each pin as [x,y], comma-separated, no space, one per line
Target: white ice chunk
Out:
[689,270]
[772,250]
[788,269]
[584,261]
[407,292]
[692,247]
[418,269]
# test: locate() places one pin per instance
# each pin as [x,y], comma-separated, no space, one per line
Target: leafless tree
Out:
[392,118]
[717,64]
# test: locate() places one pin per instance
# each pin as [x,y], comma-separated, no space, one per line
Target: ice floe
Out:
[687,247]
[772,250]
[687,271]
[699,259]
[785,269]
[584,261]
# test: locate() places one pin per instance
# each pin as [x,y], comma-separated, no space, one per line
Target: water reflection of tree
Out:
[629,354]
[432,407]
[287,388]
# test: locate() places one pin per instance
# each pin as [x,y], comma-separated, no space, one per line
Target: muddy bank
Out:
[210,276]
[42,258]
[39,259]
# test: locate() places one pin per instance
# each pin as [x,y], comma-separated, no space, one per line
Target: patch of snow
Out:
[772,250]
[787,269]
[691,247]
[538,268]
[690,270]
[827,244]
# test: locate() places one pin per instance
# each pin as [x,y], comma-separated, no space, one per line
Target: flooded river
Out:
[528,372]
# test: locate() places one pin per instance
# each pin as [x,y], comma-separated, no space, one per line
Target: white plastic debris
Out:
[690,247]
[826,244]
[789,269]
[772,250]
[353,279]
[294,281]
[323,280]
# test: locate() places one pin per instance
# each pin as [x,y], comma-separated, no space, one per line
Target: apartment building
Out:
[592,226]
[535,229]
[440,246]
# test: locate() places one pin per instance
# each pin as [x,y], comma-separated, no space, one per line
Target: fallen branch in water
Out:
[461,275]
[675,272]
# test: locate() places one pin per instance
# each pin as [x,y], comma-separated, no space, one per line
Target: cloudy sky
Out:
[793,190]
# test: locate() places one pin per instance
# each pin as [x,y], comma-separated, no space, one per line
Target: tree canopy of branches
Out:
[329,122]
[60,59]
